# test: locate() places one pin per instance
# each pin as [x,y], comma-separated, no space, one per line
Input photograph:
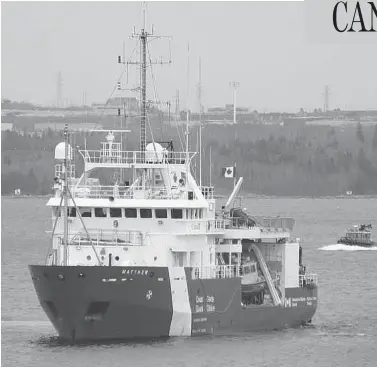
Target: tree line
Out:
[274,160]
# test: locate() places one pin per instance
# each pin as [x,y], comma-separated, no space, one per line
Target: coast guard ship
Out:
[151,256]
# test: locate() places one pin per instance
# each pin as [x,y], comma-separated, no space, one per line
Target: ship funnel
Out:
[60,151]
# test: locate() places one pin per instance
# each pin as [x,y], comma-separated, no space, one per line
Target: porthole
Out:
[89,258]
[117,258]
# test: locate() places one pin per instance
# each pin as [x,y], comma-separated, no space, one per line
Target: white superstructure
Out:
[158,216]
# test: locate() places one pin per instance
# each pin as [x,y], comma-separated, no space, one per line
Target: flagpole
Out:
[235,176]
[234,85]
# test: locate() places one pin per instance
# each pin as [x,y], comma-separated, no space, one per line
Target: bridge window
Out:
[115,212]
[85,212]
[161,213]
[130,213]
[176,214]
[145,213]
[100,212]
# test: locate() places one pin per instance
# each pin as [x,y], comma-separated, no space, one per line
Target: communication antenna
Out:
[200,121]
[143,37]
[66,164]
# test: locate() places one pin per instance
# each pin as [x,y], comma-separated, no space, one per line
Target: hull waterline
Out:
[355,243]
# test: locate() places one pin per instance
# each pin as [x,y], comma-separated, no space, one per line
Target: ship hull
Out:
[355,243]
[119,303]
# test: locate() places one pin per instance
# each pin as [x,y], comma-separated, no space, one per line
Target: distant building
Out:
[6,126]
[73,126]
[130,103]
[227,110]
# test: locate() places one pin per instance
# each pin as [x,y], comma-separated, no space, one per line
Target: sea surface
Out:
[344,331]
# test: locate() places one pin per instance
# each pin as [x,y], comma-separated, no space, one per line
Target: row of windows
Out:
[135,213]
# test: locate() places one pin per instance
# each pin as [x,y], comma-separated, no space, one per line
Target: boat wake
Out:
[341,247]
[344,335]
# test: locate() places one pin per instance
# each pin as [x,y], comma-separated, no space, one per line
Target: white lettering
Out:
[135,272]
[199,309]
[199,299]
[210,299]
[210,308]
[201,319]
[294,302]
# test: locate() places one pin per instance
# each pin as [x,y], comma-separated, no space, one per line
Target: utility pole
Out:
[177,111]
[234,85]
[326,101]
[59,90]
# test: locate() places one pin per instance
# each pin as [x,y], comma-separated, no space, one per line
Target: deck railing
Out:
[105,238]
[134,157]
[279,224]
[216,271]
[215,226]
[207,191]
[307,280]
[127,192]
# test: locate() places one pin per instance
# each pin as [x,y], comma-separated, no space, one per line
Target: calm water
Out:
[345,326]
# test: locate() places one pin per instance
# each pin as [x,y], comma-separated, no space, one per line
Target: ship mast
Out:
[200,121]
[65,193]
[143,91]
[143,37]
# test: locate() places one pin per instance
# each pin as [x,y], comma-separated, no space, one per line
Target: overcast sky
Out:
[262,45]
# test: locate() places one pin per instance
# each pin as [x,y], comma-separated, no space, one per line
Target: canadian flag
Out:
[229,172]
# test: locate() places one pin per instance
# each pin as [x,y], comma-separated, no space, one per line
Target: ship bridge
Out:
[157,173]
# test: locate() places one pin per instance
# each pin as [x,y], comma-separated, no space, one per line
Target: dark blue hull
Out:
[99,303]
